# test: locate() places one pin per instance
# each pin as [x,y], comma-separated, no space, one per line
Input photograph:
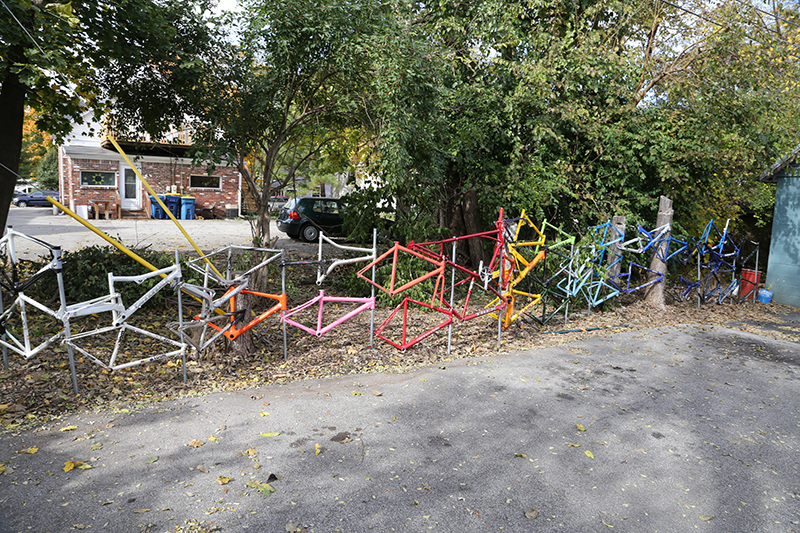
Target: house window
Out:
[95,178]
[204,182]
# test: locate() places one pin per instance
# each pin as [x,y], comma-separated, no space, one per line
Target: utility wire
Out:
[688,11]
[63,78]
[22,26]
[707,19]
[17,175]
[773,15]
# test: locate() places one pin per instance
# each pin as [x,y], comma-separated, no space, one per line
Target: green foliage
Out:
[577,112]
[367,208]
[78,42]
[73,61]
[573,111]
[762,203]
[86,273]
[290,89]
[46,170]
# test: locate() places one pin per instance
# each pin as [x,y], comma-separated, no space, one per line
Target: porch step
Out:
[134,213]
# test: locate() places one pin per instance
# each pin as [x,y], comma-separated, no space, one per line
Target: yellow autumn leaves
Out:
[80,465]
[589,454]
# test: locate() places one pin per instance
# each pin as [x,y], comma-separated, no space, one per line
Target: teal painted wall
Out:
[783,270]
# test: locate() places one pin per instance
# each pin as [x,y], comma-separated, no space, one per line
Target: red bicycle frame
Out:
[405,343]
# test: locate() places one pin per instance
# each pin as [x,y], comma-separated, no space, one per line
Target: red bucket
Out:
[749,285]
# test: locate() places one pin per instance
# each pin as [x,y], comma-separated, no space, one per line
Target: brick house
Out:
[92,171]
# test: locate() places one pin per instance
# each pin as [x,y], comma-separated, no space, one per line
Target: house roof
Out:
[149,148]
[771,175]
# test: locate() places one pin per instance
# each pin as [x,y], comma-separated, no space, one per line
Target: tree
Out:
[46,170]
[62,59]
[284,91]
[34,146]
[576,111]
[440,118]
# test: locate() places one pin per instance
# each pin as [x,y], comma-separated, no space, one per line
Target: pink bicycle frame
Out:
[366,303]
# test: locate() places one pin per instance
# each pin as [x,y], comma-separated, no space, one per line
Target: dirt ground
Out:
[33,390]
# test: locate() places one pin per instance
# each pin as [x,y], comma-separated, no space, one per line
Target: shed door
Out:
[129,190]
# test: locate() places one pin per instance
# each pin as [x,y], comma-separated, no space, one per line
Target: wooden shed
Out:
[783,268]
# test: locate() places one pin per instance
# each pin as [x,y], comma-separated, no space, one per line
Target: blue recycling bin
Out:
[173,203]
[187,207]
[155,208]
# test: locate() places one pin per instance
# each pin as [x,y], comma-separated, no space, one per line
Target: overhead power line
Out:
[712,21]
[63,78]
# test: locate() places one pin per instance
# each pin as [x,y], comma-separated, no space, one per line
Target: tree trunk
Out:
[243,344]
[12,115]
[654,295]
[262,234]
[472,224]
[618,222]
[456,223]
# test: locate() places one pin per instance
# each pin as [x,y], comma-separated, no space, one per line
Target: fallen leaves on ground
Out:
[530,514]
[269,434]
[195,443]
[264,488]
[26,400]
[80,465]
[223,480]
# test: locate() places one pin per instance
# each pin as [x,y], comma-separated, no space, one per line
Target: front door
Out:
[129,191]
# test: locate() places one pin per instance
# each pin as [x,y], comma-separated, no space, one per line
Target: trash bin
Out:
[187,207]
[162,214]
[173,203]
[155,208]
[749,286]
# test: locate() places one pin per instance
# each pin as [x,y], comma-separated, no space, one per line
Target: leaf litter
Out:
[40,388]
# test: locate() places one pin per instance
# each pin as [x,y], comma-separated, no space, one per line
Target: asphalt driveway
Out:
[677,429]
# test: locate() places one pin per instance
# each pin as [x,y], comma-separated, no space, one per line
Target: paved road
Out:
[158,234]
[675,429]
